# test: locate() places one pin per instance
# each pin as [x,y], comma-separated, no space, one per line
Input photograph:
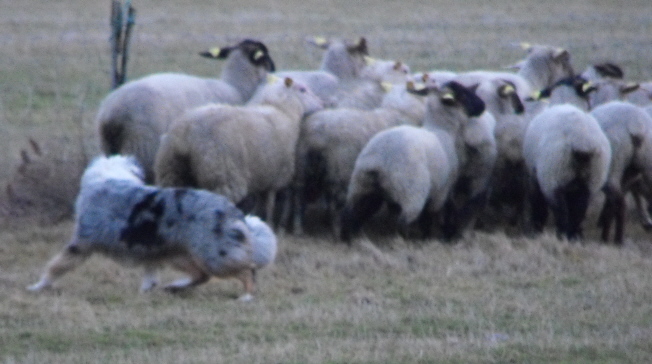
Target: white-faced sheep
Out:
[342,60]
[238,150]
[132,118]
[413,169]
[367,91]
[331,139]
[626,126]
[567,156]
[542,67]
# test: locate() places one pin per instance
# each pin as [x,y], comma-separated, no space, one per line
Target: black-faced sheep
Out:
[626,126]
[238,151]
[567,156]
[331,139]
[413,169]
[132,118]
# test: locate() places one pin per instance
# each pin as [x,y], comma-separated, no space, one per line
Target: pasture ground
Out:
[488,298]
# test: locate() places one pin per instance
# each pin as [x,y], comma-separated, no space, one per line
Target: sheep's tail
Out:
[173,168]
[111,137]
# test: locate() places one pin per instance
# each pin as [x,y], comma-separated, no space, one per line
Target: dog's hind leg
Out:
[150,279]
[248,279]
[71,257]
[187,265]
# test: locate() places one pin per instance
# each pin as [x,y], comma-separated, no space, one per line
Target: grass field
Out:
[491,298]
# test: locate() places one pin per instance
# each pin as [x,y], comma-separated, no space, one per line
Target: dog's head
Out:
[116,167]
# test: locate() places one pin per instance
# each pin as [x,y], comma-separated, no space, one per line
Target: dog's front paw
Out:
[36,287]
[247,297]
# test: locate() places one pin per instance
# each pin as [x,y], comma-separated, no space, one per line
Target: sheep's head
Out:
[255,51]
[343,59]
[452,94]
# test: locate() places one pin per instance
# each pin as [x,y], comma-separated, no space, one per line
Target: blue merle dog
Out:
[197,232]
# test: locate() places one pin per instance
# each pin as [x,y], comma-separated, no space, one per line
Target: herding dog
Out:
[197,232]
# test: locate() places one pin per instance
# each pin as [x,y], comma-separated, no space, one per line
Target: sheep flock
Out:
[429,153]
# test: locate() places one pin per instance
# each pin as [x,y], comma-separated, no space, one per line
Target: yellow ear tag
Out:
[586,86]
[448,96]
[508,90]
[258,55]
[214,52]
[415,87]
[272,78]
[369,60]
[387,86]
[525,46]
[536,95]
[320,41]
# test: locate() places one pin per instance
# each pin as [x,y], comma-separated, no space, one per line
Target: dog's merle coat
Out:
[199,232]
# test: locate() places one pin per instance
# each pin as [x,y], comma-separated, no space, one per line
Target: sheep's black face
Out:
[258,54]
[472,104]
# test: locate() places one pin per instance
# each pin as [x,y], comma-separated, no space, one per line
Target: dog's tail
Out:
[265,242]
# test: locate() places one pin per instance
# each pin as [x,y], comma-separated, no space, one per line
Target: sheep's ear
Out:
[609,70]
[359,47]
[369,60]
[398,65]
[473,105]
[509,90]
[216,53]
[629,87]
[526,46]
[417,89]
[506,90]
[320,42]
[288,82]
[387,86]
[560,55]
[516,66]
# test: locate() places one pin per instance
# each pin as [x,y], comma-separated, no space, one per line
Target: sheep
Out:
[238,151]
[567,156]
[367,91]
[412,168]
[331,139]
[626,126]
[543,66]
[471,190]
[342,60]
[132,118]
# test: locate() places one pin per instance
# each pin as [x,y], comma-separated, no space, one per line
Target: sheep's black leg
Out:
[425,221]
[538,207]
[450,227]
[560,211]
[578,196]
[354,215]
[607,213]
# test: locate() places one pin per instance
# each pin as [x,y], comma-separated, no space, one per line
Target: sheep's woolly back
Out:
[117,167]
[626,126]
[237,150]
[264,243]
[338,135]
[132,118]
[552,140]
[410,165]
